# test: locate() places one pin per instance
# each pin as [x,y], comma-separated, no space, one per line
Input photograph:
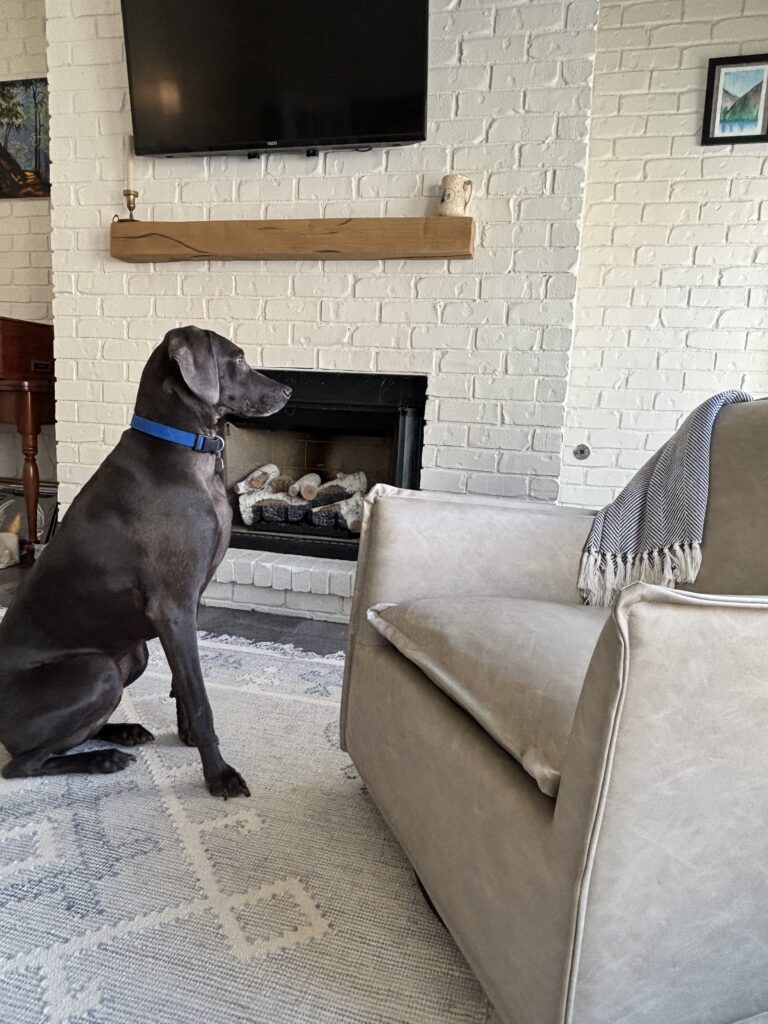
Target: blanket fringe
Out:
[602,576]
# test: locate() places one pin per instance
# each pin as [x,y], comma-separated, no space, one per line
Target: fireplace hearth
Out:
[336,425]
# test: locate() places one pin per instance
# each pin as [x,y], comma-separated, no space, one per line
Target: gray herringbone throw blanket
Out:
[653,530]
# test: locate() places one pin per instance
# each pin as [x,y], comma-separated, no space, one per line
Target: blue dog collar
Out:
[199,442]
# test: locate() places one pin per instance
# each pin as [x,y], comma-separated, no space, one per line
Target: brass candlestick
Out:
[131,195]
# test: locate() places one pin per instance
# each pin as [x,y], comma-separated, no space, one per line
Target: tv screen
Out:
[215,76]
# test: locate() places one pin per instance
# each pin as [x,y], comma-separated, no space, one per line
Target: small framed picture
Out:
[24,159]
[736,104]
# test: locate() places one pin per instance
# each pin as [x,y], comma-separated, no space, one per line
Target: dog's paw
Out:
[125,734]
[104,762]
[228,783]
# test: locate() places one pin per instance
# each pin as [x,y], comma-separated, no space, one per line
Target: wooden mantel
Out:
[351,238]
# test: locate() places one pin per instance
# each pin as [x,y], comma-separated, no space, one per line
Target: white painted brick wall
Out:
[25,224]
[510,94]
[673,280]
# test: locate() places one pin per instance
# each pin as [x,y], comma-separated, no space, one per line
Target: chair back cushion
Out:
[735,546]
[515,666]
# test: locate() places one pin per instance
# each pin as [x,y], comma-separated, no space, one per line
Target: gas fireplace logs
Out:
[268,496]
[258,479]
[351,482]
[280,484]
[305,487]
[349,511]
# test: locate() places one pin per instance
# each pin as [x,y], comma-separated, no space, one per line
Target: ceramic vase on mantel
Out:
[455,195]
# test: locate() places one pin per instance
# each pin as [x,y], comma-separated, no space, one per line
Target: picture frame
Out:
[24,139]
[736,101]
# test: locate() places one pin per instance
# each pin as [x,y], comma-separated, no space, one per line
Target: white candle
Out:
[129,163]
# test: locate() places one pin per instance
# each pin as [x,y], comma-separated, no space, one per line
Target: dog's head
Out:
[215,371]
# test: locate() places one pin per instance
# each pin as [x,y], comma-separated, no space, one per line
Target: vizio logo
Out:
[272,143]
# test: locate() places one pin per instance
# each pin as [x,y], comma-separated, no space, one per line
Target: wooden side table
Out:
[28,404]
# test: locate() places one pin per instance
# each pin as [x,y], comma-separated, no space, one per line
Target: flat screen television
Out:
[218,76]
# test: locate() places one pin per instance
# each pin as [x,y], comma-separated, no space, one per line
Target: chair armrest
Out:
[417,544]
[664,789]
[663,654]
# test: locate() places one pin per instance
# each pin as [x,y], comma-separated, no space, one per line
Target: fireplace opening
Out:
[296,479]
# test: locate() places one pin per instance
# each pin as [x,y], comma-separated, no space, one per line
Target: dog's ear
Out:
[192,350]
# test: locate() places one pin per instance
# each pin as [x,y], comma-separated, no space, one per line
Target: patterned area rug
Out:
[137,898]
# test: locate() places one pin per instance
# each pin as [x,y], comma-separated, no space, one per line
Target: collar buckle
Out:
[209,445]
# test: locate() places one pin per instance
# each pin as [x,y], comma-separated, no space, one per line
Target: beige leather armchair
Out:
[583,793]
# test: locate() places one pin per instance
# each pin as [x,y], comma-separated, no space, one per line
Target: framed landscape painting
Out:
[736,105]
[24,159]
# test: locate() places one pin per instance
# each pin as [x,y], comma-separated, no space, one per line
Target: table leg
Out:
[29,428]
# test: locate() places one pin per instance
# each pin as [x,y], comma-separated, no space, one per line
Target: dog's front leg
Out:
[177,629]
[181,719]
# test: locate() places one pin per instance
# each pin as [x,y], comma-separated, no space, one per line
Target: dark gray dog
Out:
[130,562]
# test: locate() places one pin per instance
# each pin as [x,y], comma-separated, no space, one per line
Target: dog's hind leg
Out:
[89,762]
[54,707]
[128,734]
[125,734]
[133,664]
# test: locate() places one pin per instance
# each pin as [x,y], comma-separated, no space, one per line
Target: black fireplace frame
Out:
[360,403]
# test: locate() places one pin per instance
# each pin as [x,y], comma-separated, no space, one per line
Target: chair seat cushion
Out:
[515,666]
